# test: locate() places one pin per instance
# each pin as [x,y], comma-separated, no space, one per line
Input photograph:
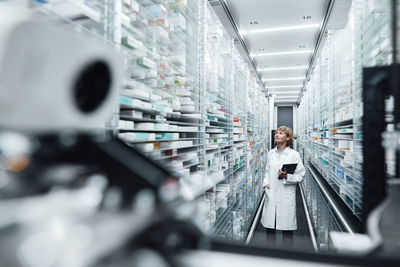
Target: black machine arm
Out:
[126,168]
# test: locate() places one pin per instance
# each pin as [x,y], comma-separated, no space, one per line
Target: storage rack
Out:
[236,107]
[93,17]
[187,100]
[219,118]
[161,88]
[332,144]
[322,217]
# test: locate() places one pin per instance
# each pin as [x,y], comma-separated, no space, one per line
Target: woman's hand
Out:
[266,186]
[282,174]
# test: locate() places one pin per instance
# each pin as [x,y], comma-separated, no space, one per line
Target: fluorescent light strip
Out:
[286,97]
[286,68]
[278,29]
[285,79]
[282,53]
[287,92]
[284,101]
[286,86]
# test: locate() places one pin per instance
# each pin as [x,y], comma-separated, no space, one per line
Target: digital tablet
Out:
[289,168]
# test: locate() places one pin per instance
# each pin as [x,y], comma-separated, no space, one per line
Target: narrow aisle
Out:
[301,237]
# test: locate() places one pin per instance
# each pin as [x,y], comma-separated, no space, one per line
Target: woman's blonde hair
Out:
[288,132]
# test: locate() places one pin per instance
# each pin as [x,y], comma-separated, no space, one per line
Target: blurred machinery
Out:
[71,195]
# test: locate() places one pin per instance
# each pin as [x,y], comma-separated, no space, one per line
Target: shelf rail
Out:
[255,221]
[309,224]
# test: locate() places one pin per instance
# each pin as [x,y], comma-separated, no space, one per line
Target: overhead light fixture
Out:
[284,79]
[282,53]
[286,97]
[286,68]
[287,92]
[285,101]
[279,29]
[286,86]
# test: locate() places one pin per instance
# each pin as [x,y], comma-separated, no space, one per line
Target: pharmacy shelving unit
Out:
[235,106]
[372,33]
[320,211]
[160,99]
[218,95]
[258,138]
[219,122]
[330,113]
[187,100]
[92,17]
[241,173]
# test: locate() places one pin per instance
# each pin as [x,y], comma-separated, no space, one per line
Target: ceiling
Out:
[262,25]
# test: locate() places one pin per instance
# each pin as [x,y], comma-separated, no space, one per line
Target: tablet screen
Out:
[289,168]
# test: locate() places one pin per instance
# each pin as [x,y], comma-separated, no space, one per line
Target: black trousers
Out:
[287,238]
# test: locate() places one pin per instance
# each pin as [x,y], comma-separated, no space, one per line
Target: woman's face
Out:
[280,137]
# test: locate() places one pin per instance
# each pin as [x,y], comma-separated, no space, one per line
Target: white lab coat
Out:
[280,200]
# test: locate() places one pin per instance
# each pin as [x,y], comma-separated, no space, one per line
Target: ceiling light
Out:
[285,79]
[286,86]
[283,53]
[288,92]
[285,101]
[299,27]
[286,97]
[286,68]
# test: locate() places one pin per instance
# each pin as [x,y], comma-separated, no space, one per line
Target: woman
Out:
[279,211]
